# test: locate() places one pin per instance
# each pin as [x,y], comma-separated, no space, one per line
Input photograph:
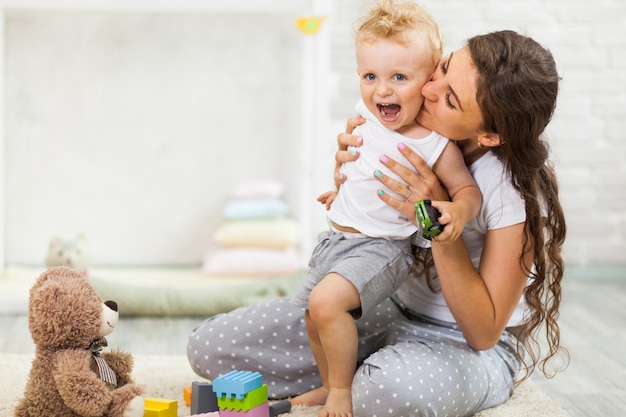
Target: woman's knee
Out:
[205,349]
[382,385]
[415,379]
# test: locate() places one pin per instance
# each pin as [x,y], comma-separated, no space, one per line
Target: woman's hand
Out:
[344,140]
[421,186]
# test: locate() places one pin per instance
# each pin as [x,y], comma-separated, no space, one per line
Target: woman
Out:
[450,344]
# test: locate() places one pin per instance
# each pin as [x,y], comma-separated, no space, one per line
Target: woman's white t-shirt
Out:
[502,206]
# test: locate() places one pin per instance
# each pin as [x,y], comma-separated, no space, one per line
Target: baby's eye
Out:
[370,77]
[399,77]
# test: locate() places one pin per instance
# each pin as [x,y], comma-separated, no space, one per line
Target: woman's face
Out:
[450,106]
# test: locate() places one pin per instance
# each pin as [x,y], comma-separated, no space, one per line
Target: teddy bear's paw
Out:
[135,407]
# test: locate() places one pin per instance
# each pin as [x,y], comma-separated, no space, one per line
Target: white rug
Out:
[165,377]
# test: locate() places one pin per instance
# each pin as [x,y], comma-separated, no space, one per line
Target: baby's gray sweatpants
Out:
[408,366]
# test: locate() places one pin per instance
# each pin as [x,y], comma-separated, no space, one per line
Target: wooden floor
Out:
[593,321]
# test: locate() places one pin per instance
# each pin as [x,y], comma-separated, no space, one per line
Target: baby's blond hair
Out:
[405,22]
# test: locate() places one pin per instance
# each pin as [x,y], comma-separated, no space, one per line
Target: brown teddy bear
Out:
[69,377]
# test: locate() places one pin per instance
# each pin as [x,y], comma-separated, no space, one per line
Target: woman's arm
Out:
[481,301]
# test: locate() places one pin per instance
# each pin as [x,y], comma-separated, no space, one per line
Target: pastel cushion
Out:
[254,208]
[251,261]
[268,233]
[159,291]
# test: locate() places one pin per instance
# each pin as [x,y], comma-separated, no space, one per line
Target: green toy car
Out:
[426,216]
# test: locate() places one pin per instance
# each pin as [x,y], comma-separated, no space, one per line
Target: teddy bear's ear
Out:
[43,314]
[51,273]
[63,310]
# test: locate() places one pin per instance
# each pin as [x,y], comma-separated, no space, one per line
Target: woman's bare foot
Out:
[314,397]
[338,403]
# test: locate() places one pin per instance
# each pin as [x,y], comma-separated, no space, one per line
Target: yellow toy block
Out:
[187,395]
[160,407]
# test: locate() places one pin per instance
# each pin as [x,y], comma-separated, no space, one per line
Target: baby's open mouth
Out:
[388,112]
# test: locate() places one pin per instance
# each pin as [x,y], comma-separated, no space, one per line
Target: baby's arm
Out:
[327,198]
[464,193]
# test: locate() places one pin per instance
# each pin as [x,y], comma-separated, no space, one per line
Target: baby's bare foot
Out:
[338,403]
[314,397]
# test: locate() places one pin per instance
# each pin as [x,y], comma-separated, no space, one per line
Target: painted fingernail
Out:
[353,153]
[383,159]
[401,146]
[359,139]
[340,177]
[381,192]
[378,174]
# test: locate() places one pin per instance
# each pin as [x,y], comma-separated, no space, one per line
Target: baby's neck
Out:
[414,131]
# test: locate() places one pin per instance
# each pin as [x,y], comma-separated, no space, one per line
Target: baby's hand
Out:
[451,219]
[327,198]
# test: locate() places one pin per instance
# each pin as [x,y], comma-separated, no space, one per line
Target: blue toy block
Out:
[237,384]
[203,398]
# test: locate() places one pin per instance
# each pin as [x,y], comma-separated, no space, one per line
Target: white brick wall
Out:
[588,131]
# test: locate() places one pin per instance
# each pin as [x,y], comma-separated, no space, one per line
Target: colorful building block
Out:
[262,410]
[251,400]
[160,407]
[280,407]
[203,399]
[237,384]
[187,395]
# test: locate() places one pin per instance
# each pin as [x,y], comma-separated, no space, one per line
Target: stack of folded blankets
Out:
[257,236]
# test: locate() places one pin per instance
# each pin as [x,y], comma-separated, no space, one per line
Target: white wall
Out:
[133,127]
[182,154]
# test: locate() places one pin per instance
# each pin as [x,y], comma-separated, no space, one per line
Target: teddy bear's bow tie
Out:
[106,373]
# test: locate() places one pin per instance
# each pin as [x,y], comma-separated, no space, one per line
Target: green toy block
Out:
[160,407]
[252,399]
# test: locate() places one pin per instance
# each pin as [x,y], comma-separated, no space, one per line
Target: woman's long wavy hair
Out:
[517,86]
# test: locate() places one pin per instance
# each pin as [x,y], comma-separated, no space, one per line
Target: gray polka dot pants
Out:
[407,367]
